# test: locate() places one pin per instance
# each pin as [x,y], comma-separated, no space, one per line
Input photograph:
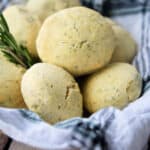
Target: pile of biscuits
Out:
[74,43]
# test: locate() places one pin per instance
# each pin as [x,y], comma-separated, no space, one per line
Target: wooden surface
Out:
[3,141]
[7,144]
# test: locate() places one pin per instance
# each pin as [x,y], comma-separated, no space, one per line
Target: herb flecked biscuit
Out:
[77,39]
[116,85]
[125,45]
[23,25]
[10,90]
[45,8]
[51,92]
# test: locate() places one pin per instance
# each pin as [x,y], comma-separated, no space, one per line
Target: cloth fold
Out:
[107,129]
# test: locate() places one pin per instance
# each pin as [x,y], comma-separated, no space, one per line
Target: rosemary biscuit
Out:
[116,85]
[23,25]
[125,45]
[51,92]
[77,39]
[10,79]
[45,8]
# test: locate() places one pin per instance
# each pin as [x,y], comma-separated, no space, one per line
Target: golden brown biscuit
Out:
[125,45]
[45,8]
[23,25]
[77,39]
[51,92]
[116,85]
[10,78]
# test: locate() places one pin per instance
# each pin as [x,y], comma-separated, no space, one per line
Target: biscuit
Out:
[77,39]
[51,92]
[116,85]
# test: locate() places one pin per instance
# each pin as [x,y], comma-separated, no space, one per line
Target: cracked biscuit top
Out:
[51,92]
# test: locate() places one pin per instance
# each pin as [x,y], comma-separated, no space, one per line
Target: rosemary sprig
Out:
[14,52]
